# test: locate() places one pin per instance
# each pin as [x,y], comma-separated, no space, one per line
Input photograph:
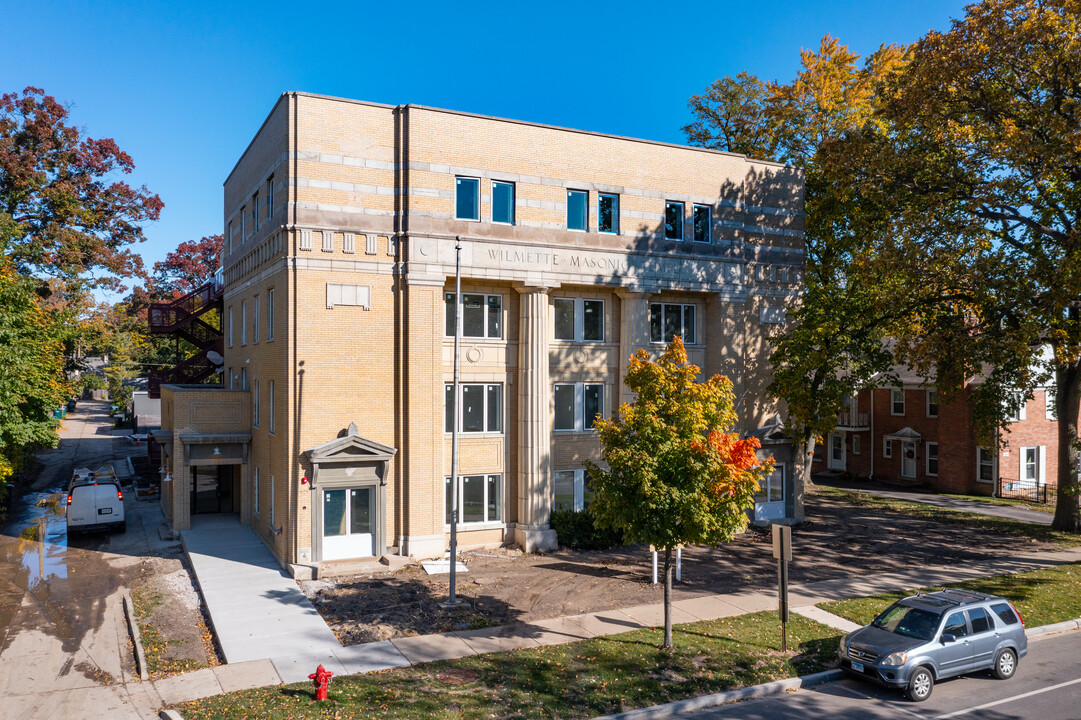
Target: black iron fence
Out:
[1033,492]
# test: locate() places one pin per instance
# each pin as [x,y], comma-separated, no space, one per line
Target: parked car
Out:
[924,638]
[95,503]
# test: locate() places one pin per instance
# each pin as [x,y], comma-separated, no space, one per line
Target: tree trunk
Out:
[668,645]
[1067,406]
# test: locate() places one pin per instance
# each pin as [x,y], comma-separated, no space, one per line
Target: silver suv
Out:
[930,636]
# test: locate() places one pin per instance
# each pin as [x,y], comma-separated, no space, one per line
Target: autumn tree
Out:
[676,474]
[979,157]
[833,343]
[188,267]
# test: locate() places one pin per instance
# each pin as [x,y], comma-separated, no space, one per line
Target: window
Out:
[772,490]
[702,223]
[608,213]
[255,492]
[269,315]
[887,448]
[244,323]
[255,320]
[480,499]
[243,224]
[1049,410]
[255,213]
[467,198]
[482,315]
[482,408]
[955,625]
[229,233]
[255,405]
[932,458]
[230,326]
[577,405]
[271,502]
[1015,407]
[980,620]
[577,210]
[243,378]
[897,402]
[666,320]
[1030,466]
[502,202]
[571,490]
[985,465]
[673,220]
[932,403]
[855,444]
[1005,613]
[578,320]
[270,398]
[270,197]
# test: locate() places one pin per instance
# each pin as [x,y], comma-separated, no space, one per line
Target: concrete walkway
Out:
[261,616]
[1010,512]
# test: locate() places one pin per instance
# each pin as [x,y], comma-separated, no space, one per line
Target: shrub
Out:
[579,531]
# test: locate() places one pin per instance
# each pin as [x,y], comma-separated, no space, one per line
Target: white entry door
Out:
[837,451]
[769,500]
[908,459]
[347,523]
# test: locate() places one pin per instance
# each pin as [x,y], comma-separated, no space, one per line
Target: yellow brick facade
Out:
[350,265]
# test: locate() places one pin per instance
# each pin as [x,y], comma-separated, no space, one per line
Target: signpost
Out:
[782,550]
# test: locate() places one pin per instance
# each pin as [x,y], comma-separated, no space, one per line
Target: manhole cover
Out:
[457,676]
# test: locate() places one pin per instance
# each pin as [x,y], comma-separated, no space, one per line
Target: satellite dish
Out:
[215,358]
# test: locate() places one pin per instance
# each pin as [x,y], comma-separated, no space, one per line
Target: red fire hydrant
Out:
[321,679]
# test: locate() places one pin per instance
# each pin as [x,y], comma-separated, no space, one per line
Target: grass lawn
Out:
[1041,533]
[1042,597]
[1048,507]
[576,680]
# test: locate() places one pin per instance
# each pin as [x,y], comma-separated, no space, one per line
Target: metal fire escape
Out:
[184,319]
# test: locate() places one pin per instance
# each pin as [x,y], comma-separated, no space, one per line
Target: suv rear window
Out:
[1005,612]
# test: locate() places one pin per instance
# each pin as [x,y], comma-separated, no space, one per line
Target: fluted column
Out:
[633,334]
[532,531]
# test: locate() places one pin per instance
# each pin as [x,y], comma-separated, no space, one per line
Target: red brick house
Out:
[906,436]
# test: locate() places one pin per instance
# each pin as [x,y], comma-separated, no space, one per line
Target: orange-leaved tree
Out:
[676,473]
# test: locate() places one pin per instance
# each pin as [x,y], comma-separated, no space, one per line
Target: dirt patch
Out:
[170,616]
[506,586]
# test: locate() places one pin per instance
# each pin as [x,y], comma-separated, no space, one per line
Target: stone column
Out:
[633,334]
[532,530]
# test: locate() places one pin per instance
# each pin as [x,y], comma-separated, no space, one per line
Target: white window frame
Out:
[1019,414]
[682,314]
[682,220]
[255,493]
[578,489]
[930,449]
[243,323]
[709,222]
[1050,412]
[855,444]
[615,198]
[894,394]
[929,393]
[255,320]
[887,448]
[255,404]
[579,320]
[580,422]
[487,521]
[488,387]
[476,206]
[764,493]
[270,408]
[448,318]
[1040,452]
[270,314]
[513,203]
[984,456]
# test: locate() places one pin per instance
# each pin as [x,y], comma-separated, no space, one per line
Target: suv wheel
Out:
[1005,664]
[921,683]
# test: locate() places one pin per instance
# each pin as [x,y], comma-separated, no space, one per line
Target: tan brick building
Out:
[578,248]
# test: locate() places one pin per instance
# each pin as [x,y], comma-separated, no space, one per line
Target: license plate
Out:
[857,666]
[105,511]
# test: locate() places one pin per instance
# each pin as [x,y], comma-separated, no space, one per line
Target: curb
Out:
[136,637]
[707,701]
[1061,627]
[170,715]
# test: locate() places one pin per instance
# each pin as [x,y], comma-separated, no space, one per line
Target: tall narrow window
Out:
[701,223]
[269,315]
[985,465]
[502,202]
[608,213]
[230,326]
[673,220]
[229,234]
[243,224]
[244,323]
[255,212]
[243,378]
[270,407]
[897,402]
[577,210]
[270,197]
[255,320]
[255,405]
[932,403]
[467,198]
[932,458]
[255,492]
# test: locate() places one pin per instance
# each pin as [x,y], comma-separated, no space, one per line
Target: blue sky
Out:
[183,86]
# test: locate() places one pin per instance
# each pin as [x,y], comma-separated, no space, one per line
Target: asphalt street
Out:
[1047,686]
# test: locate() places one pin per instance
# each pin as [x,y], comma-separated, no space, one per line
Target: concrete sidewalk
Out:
[235,595]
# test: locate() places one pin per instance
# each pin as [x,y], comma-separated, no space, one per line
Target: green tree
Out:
[979,157]
[675,473]
[833,344]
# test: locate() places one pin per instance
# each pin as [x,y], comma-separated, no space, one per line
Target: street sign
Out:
[782,542]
